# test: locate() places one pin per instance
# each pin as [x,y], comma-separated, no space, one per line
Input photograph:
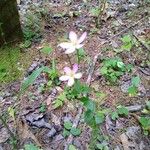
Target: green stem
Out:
[10,132]
[78,57]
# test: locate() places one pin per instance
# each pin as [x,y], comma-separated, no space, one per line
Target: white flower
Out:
[71,75]
[74,42]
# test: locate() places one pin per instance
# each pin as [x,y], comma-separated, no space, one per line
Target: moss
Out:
[13,64]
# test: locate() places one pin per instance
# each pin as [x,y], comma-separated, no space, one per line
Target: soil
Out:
[45,129]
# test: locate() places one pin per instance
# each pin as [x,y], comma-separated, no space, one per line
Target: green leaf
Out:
[148,105]
[120,64]
[68,125]
[30,80]
[99,118]
[89,118]
[57,103]
[145,122]
[81,53]
[89,104]
[66,133]
[126,39]
[31,147]
[103,70]
[135,81]
[122,110]
[114,115]
[132,90]
[75,131]
[47,50]
[72,147]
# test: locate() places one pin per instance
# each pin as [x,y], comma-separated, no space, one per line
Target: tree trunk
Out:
[10,28]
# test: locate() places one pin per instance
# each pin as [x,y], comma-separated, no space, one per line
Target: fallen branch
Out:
[126,29]
[80,110]
[141,42]
[135,108]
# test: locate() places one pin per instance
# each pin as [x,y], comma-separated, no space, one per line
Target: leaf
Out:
[72,147]
[68,125]
[148,105]
[89,118]
[31,147]
[99,118]
[122,110]
[30,80]
[132,90]
[135,81]
[120,64]
[81,53]
[126,39]
[66,133]
[47,50]
[114,115]
[11,112]
[57,103]
[75,131]
[89,104]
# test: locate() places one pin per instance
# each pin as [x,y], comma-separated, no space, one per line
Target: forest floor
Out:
[121,30]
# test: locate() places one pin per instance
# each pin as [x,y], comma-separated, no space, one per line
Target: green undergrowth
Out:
[12,64]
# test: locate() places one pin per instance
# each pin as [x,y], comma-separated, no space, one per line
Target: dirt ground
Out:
[45,129]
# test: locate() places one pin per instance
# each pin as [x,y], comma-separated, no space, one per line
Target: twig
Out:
[141,42]
[126,29]
[80,110]
[135,108]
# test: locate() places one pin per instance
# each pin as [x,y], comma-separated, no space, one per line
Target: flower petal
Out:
[65,45]
[73,36]
[79,46]
[78,75]
[64,78]
[75,68]
[67,70]
[70,50]
[70,81]
[82,38]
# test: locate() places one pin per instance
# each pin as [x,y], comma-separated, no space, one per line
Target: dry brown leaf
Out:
[25,133]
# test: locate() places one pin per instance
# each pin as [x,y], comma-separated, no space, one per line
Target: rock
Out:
[124,87]
[51,133]
[133,132]
[78,144]
[58,138]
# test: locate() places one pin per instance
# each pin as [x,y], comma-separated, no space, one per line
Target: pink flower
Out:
[71,75]
[74,42]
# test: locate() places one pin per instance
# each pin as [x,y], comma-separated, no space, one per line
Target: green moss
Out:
[13,64]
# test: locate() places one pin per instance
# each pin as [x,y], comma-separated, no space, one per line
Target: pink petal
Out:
[82,38]
[67,70]
[78,75]
[75,68]
[70,81]
[65,45]
[64,78]
[72,36]
[70,50]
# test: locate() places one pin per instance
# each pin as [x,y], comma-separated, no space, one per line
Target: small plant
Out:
[69,129]
[145,123]
[133,89]
[121,111]
[127,43]
[59,100]
[113,68]
[31,147]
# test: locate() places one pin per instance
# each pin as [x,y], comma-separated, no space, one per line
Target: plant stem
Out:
[10,132]
[69,60]
[78,57]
